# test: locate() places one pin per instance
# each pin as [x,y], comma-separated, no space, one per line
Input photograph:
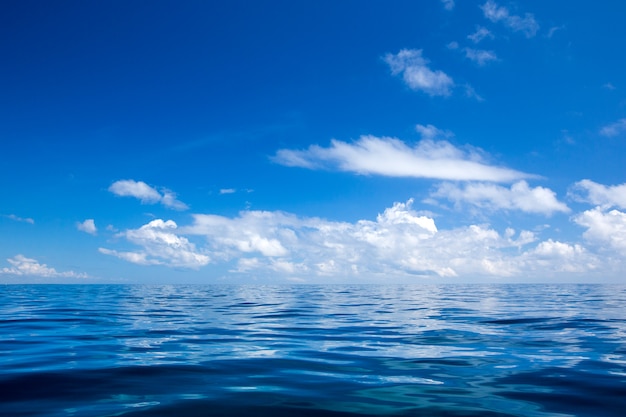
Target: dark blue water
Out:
[492,350]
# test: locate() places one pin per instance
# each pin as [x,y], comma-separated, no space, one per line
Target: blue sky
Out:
[312,141]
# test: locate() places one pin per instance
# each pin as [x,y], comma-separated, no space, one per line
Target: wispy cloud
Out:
[614,129]
[598,194]
[527,24]
[448,4]
[470,92]
[480,34]
[431,132]
[480,56]
[553,30]
[23,266]
[392,157]
[417,74]
[519,196]
[19,219]
[88,226]
[228,191]
[160,246]
[147,194]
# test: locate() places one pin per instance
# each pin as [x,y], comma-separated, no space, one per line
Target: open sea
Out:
[303,350]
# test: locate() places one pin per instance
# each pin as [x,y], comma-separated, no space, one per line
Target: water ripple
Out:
[499,350]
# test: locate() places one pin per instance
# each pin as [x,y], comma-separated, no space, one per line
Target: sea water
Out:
[420,350]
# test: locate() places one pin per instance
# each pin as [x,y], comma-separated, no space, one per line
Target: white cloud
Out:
[392,157]
[480,34]
[495,197]
[470,92]
[598,194]
[614,129]
[448,4]
[320,247]
[417,74]
[400,243]
[554,256]
[480,56]
[19,219]
[553,30]
[604,228]
[146,193]
[430,132]
[160,246]
[88,226]
[227,191]
[23,266]
[527,24]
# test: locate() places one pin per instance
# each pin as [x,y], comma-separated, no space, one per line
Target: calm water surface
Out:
[476,350]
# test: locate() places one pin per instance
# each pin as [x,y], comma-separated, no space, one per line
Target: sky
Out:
[321,141]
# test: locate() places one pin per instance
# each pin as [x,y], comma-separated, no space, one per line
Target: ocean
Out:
[305,350]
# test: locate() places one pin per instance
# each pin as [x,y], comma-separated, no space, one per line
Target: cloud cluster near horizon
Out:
[400,242]
[23,266]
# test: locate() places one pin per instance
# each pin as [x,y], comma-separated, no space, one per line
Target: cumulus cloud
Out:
[480,34]
[554,256]
[606,228]
[614,129]
[88,226]
[227,191]
[417,74]
[160,245]
[392,157]
[19,219]
[527,24]
[495,197]
[284,242]
[147,194]
[399,243]
[23,266]
[480,56]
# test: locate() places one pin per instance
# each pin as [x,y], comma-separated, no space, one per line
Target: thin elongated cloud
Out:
[614,129]
[520,196]
[147,194]
[19,219]
[371,155]
[416,73]
[527,24]
[23,266]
